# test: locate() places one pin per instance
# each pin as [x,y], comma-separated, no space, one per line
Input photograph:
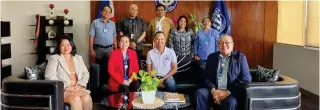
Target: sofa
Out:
[20,93]
[283,94]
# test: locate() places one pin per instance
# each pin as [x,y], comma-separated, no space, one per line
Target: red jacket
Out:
[115,68]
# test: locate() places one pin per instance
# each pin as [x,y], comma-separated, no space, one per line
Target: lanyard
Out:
[125,64]
[222,63]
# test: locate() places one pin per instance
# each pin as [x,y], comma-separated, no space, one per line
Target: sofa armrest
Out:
[94,77]
[283,94]
[286,87]
[32,93]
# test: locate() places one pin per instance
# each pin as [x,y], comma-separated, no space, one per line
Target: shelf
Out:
[4,65]
[47,50]
[5,51]
[5,71]
[5,29]
[70,34]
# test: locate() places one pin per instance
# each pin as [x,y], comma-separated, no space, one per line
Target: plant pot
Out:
[148,97]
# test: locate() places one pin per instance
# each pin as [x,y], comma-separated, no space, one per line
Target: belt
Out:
[108,46]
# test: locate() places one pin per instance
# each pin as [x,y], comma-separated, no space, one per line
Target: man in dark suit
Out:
[225,72]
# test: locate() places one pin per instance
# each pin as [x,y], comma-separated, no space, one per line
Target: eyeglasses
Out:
[227,43]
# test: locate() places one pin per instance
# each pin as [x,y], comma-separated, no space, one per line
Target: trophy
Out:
[51,21]
[66,21]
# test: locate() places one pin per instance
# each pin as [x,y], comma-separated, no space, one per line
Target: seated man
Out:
[225,71]
[164,61]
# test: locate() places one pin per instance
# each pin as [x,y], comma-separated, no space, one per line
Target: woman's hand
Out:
[71,89]
[196,57]
[125,82]
[79,87]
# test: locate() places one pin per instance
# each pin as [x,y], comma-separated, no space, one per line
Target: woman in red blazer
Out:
[122,63]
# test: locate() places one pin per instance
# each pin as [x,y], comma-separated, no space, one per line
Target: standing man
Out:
[161,23]
[164,61]
[134,27]
[102,41]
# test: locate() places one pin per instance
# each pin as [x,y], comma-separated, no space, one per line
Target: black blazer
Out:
[238,73]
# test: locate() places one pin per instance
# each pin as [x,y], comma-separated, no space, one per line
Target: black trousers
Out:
[133,87]
[104,75]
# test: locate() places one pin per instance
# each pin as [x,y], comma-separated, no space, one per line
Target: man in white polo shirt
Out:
[164,61]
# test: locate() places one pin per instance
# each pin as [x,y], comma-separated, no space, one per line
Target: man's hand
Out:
[139,40]
[223,94]
[161,83]
[92,53]
[133,45]
[162,80]
[215,96]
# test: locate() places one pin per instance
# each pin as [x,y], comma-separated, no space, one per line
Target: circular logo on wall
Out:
[219,21]
[170,4]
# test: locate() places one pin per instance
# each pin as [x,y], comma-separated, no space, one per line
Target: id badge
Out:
[105,30]
[206,42]
[158,29]
[132,36]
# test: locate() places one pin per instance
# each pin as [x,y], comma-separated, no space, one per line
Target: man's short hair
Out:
[159,32]
[106,6]
[160,5]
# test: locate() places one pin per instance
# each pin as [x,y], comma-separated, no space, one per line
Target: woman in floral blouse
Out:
[181,41]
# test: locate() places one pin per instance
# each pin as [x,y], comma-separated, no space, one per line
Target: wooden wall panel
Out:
[254,23]
[248,30]
[270,33]
[147,9]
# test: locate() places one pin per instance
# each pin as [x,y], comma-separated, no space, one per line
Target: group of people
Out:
[119,57]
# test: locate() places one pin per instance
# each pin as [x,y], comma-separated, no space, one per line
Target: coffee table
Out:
[116,101]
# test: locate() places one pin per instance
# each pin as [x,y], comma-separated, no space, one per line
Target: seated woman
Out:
[122,63]
[69,68]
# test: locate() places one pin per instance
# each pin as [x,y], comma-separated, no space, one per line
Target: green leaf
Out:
[146,88]
[141,73]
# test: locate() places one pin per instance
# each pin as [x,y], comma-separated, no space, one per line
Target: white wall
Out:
[299,63]
[21,14]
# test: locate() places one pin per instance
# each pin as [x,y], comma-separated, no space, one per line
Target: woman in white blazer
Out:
[69,68]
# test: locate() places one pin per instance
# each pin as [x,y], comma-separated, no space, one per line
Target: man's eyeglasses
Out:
[227,43]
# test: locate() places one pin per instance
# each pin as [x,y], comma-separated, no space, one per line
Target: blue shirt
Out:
[103,33]
[206,43]
[223,69]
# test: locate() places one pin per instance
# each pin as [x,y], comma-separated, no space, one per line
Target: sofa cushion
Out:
[35,72]
[267,75]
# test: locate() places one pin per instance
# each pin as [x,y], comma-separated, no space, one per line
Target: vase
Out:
[148,97]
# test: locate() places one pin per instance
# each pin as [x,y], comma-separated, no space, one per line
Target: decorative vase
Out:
[148,97]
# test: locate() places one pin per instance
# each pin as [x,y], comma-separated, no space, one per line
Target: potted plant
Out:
[196,25]
[148,85]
